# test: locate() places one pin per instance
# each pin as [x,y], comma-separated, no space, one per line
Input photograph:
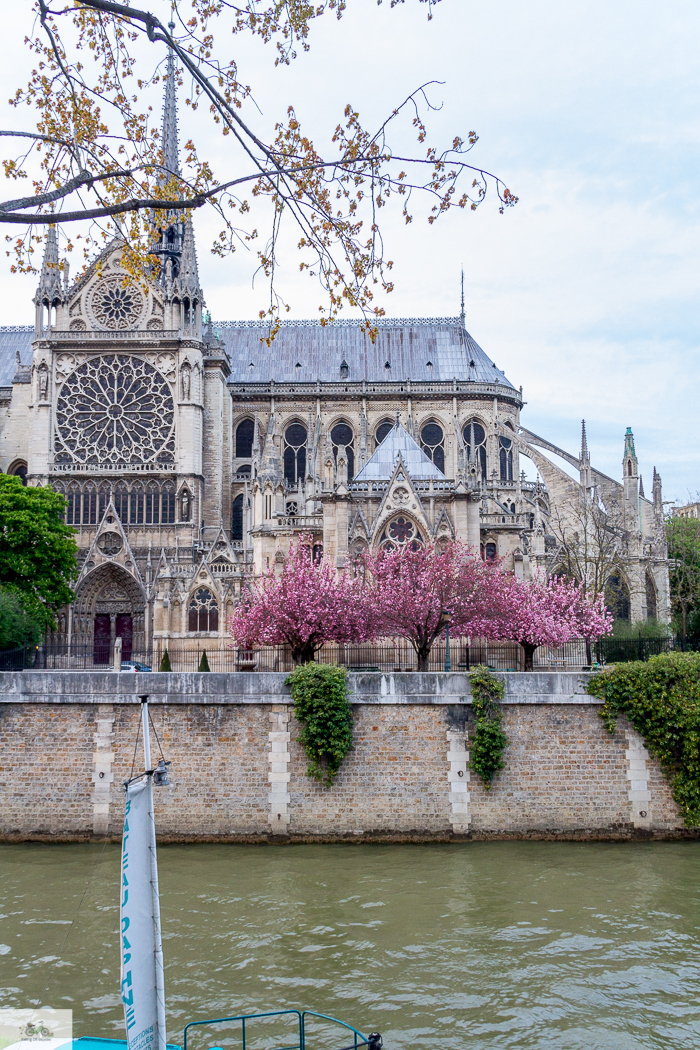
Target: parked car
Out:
[134,665]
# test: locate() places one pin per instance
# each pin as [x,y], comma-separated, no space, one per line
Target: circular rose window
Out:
[110,543]
[115,306]
[115,411]
[401,530]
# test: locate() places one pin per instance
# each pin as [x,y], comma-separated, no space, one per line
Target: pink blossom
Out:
[308,604]
[551,613]
[413,588]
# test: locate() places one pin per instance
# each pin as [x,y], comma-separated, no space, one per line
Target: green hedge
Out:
[661,698]
[321,707]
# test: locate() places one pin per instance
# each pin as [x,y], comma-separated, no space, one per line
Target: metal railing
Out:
[301,1036]
[387,658]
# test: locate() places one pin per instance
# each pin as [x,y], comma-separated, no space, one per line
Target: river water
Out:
[469,945]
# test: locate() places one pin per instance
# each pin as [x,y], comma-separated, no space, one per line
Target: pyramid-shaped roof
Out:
[398,442]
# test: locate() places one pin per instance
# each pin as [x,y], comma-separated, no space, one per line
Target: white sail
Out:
[142,981]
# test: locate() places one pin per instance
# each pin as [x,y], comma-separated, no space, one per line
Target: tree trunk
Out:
[529,649]
[589,654]
[423,655]
[684,615]
[304,654]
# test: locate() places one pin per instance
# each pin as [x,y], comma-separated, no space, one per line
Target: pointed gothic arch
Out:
[109,603]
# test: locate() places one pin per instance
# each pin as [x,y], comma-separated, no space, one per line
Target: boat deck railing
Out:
[251,1026]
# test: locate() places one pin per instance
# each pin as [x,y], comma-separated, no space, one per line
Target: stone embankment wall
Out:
[67,743]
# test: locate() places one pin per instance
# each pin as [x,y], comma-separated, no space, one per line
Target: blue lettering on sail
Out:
[141,954]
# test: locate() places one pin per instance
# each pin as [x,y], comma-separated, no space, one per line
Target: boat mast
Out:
[157,939]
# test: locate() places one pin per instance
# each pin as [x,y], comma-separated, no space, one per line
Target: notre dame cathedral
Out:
[190,453]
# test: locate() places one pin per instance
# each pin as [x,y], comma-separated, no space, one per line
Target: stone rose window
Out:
[115,411]
[115,306]
[400,531]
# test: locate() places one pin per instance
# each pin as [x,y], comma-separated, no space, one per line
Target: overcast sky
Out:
[587,291]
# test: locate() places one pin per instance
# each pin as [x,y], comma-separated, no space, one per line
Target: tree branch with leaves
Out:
[96,162]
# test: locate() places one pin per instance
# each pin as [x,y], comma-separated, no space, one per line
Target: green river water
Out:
[470,945]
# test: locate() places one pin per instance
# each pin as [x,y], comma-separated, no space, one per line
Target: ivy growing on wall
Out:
[321,707]
[489,743]
[661,698]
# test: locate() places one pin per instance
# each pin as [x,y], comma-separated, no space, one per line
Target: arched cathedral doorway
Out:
[109,604]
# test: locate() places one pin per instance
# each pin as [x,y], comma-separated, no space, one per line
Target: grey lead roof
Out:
[424,349]
[12,340]
[398,442]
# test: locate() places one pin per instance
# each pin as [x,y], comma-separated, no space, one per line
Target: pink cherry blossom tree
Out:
[550,612]
[308,604]
[413,588]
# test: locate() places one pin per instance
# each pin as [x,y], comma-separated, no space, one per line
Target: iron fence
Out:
[387,658]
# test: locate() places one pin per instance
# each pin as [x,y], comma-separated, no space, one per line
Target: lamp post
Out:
[447,616]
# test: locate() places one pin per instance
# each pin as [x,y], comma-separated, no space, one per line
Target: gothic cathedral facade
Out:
[190,454]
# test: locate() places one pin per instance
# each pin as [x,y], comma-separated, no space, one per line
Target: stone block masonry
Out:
[238,772]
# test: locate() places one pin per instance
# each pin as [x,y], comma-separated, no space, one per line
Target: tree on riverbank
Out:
[415,590]
[551,612]
[683,535]
[37,549]
[306,605]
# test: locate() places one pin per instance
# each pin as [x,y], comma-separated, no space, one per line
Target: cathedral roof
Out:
[422,349]
[398,442]
[11,340]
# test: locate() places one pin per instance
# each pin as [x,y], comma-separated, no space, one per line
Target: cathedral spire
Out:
[169,137]
[189,274]
[50,291]
[584,462]
[462,315]
[171,232]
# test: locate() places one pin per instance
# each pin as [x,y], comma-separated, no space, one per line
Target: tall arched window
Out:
[617,597]
[152,505]
[432,442]
[203,611]
[136,505]
[19,470]
[245,432]
[73,508]
[103,501]
[382,430]
[121,502]
[89,505]
[341,434]
[475,441]
[167,516]
[506,458]
[294,452]
[237,518]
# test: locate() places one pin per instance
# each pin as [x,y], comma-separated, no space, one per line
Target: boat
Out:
[142,976]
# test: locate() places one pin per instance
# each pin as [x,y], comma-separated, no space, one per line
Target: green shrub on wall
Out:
[489,742]
[321,706]
[661,698]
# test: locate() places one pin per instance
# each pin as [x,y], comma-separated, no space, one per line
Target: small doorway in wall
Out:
[125,631]
[101,639]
